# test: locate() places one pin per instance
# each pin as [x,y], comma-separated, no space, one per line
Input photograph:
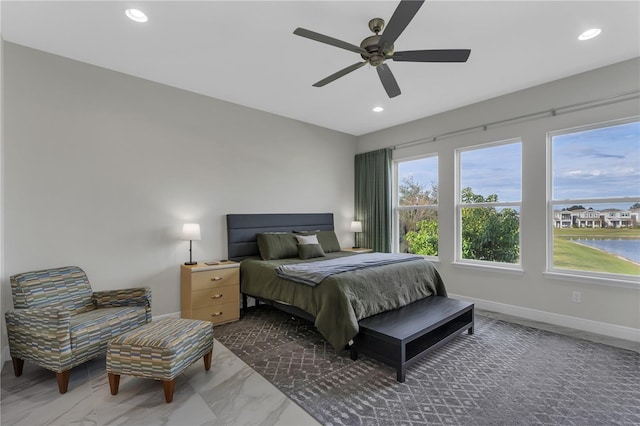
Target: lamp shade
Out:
[356,226]
[191,231]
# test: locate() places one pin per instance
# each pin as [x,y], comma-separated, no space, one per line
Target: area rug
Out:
[504,374]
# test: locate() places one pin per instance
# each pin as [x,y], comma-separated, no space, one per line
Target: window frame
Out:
[592,277]
[395,246]
[459,205]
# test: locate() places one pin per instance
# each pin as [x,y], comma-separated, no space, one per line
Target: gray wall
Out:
[605,307]
[102,169]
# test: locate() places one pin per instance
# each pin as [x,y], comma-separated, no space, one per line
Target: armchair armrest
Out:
[46,319]
[40,335]
[124,297]
[140,296]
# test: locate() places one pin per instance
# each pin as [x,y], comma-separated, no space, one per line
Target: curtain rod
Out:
[540,114]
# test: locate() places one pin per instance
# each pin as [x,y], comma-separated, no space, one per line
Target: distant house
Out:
[562,219]
[591,218]
[616,218]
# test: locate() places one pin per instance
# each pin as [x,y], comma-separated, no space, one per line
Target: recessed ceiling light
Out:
[593,32]
[378,109]
[136,15]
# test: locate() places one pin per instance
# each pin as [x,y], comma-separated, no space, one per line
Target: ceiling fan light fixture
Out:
[378,109]
[136,15]
[589,34]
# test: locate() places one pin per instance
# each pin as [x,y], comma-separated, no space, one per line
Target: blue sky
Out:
[479,170]
[597,163]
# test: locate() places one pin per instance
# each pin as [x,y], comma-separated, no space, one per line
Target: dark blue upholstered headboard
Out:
[242,229]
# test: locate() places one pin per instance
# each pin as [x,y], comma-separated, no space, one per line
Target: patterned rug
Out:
[504,374]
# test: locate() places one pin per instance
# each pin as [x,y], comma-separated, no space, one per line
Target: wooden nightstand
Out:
[210,293]
[357,250]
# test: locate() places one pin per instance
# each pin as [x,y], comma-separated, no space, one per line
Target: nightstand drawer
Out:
[214,278]
[215,296]
[219,313]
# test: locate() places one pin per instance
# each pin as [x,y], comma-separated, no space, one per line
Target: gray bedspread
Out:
[341,300]
[313,273]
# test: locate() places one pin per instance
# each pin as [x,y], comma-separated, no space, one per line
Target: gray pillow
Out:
[307,239]
[309,251]
[277,246]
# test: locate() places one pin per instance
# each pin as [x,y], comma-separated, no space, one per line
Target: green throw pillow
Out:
[309,251]
[328,241]
[277,246]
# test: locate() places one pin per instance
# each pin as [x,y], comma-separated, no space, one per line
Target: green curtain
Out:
[373,199]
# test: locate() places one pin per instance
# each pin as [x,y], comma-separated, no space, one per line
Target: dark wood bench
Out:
[402,336]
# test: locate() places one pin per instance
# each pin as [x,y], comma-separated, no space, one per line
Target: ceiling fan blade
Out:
[329,40]
[388,80]
[339,74]
[403,14]
[441,55]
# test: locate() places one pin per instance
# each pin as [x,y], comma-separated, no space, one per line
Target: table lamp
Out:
[191,231]
[356,226]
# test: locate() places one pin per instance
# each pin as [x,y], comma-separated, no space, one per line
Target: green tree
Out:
[412,193]
[487,234]
[424,240]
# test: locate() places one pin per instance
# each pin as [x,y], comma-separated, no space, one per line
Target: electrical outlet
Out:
[576,297]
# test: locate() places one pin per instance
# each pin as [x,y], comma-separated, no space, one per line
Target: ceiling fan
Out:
[378,48]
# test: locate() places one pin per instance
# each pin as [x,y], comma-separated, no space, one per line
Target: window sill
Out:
[515,270]
[590,279]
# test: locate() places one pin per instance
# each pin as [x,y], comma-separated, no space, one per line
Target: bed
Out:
[339,301]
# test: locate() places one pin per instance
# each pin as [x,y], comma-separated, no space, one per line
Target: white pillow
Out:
[307,239]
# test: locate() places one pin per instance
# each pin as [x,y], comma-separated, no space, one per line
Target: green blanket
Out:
[339,301]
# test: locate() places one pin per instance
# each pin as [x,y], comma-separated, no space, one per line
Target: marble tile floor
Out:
[231,393]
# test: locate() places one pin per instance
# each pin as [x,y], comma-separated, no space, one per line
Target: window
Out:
[416,206]
[488,203]
[594,207]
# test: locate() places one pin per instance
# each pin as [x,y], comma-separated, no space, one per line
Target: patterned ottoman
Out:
[159,350]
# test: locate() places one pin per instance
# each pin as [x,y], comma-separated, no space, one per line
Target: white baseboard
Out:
[172,315]
[603,328]
[6,355]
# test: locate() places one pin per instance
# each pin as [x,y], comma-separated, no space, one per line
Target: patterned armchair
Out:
[59,322]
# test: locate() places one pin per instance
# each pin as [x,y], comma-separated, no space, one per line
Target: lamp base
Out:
[190,263]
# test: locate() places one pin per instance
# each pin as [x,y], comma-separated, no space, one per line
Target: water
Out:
[626,247]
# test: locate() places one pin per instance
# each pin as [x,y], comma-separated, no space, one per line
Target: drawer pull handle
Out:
[216,296]
[216,278]
[216,314]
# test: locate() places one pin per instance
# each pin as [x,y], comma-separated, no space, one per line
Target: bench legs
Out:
[168,385]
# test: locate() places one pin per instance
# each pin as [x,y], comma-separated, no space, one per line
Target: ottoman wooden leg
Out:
[63,381]
[114,383]
[169,387]
[207,360]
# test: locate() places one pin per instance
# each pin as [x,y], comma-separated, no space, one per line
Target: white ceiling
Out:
[244,51]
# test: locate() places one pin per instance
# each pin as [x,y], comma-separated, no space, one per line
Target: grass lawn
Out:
[597,232]
[570,255]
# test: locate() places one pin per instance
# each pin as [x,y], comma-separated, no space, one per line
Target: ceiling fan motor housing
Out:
[377,53]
